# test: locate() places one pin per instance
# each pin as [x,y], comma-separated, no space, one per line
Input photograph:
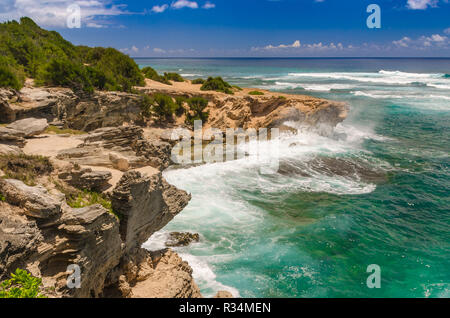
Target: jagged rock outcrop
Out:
[86,113]
[85,178]
[41,233]
[266,111]
[122,148]
[147,204]
[182,239]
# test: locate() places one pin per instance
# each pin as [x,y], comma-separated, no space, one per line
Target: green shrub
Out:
[21,285]
[150,73]
[2,197]
[255,93]
[163,106]
[63,72]
[197,106]
[25,167]
[173,77]
[198,81]
[216,84]
[35,52]
[11,75]
[237,87]
[180,101]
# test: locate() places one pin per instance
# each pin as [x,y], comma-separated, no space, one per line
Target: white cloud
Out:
[423,42]
[421,4]
[179,4]
[160,9]
[53,13]
[296,44]
[158,50]
[447,31]
[208,5]
[299,47]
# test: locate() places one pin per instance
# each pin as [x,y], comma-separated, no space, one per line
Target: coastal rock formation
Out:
[10,150]
[182,239]
[242,110]
[121,148]
[85,178]
[12,137]
[146,204]
[85,113]
[29,126]
[41,233]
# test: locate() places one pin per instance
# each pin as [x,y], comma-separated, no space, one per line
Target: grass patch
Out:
[62,131]
[21,285]
[2,198]
[24,167]
[282,97]
[255,93]
[81,199]
[237,87]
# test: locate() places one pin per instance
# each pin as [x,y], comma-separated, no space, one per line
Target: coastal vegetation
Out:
[167,78]
[25,167]
[86,198]
[26,50]
[197,106]
[198,81]
[62,131]
[21,285]
[217,84]
[174,77]
[256,93]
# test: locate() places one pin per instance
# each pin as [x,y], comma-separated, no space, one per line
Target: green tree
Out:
[197,106]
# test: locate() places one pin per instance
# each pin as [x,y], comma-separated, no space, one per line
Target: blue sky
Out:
[245,28]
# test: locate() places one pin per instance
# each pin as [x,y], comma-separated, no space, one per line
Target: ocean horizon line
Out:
[299,58]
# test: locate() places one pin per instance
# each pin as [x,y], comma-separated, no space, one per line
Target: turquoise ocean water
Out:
[375,191]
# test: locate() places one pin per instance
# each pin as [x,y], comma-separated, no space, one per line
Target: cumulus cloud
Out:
[208,5]
[447,31]
[53,13]
[421,4]
[423,42]
[297,46]
[160,9]
[179,4]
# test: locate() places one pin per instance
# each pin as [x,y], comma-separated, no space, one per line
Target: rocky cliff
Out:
[40,232]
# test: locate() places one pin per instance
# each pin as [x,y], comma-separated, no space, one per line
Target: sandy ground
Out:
[50,145]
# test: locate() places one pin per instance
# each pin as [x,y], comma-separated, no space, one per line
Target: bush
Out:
[216,84]
[163,106]
[198,81]
[237,87]
[24,167]
[35,52]
[180,101]
[21,285]
[150,73]
[63,72]
[197,106]
[173,77]
[255,93]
